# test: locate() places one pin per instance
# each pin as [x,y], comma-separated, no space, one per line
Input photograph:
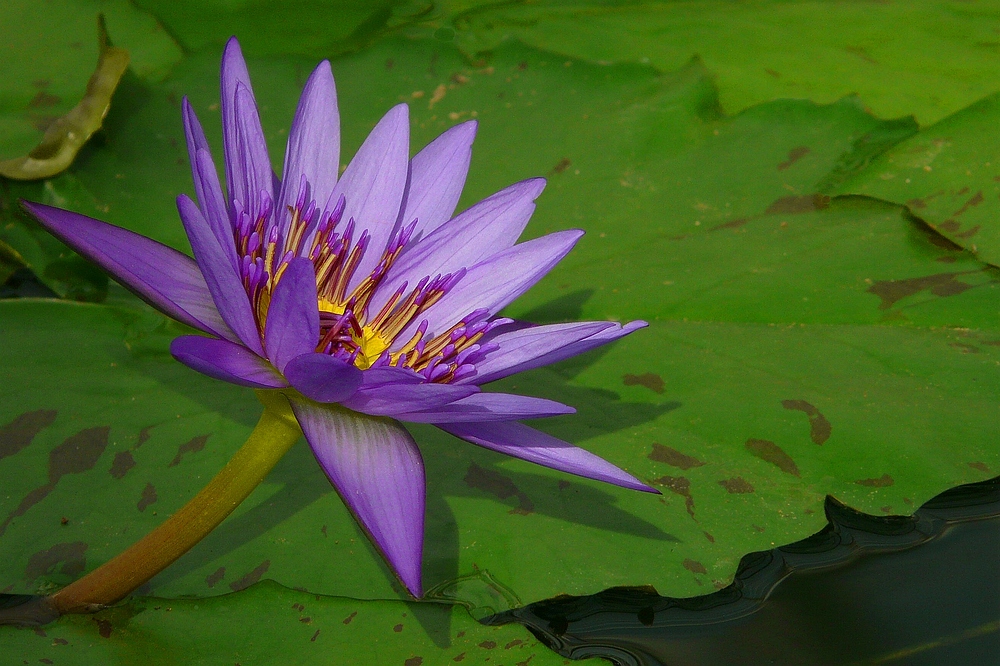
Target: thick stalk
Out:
[273,436]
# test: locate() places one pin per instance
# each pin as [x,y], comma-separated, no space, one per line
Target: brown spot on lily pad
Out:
[678,485]
[499,485]
[122,463]
[650,380]
[981,466]
[939,284]
[43,100]
[488,645]
[882,482]
[194,445]
[673,457]
[64,558]
[819,427]
[513,643]
[76,454]
[148,497]
[736,485]
[794,205]
[103,627]
[732,224]
[215,577]
[398,628]
[413,661]
[314,637]
[19,433]
[794,155]
[695,567]
[347,620]
[711,539]
[251,577]
[772,453]
[561,166]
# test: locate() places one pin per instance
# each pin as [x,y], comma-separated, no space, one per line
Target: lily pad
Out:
[948,175]
[927,58]
[301,628]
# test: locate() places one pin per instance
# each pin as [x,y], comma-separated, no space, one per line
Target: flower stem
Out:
[273,436]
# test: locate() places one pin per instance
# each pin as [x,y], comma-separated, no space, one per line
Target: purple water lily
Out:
[360,297]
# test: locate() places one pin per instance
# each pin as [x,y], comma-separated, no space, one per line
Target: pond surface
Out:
[918,590]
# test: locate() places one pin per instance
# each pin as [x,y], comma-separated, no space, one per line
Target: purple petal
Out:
[163,277]
[520,441]
[376,467]
[206,180]
[497,281]
[488,227]
[314,140]
[483,407]
[292,326]
[392,399]
[223,283]
[386,375]
[227,361]
[249,172]
[535,346]
[373,185]
[234,73]
[322,377]
[437,176]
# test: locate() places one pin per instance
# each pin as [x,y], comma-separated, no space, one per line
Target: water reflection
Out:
[919,590]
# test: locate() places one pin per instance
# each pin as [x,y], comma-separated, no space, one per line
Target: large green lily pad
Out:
[301,628]
[928,58]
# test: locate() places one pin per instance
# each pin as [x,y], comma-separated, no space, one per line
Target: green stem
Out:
[273,436]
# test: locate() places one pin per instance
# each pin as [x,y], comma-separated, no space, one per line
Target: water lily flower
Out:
[361,297]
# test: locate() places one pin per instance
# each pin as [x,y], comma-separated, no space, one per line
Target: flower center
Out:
[349,328]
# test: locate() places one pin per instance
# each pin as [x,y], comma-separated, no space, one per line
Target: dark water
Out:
[921,590]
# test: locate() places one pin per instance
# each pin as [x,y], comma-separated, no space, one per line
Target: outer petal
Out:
[535,346]
[292,327]
[163,277]
[520,441]
[497,281]
[226,289]
[484,407]
[206,180]
[490,226]
[374,183]
[322,377]
[401,398]
[437,176]
[249,171]
[376,467]
[227,361]
[314,140]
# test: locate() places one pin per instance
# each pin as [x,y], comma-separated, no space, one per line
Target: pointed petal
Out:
[250,175]
[388,400]
[437,176]
[223,283]
[373,185]
[323,378]
[292,326]
[497,281]
[163,277]
[536,346]
[520,441]
[314,140]
[490,226]
[483,407]
[376,467]
[234,73]
[207,188]
[227,361]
